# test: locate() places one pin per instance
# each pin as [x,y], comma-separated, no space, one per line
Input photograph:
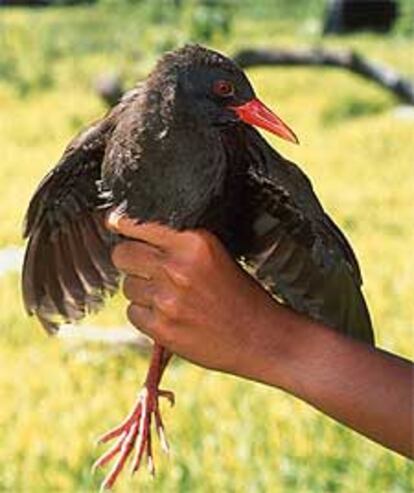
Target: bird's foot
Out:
[134,435]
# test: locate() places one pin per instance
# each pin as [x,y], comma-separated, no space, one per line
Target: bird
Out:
[183,149]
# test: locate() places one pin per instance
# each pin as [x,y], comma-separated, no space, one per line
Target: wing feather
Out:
[67,269]
[298,251]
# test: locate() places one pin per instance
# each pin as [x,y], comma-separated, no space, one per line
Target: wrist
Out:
[267,345]
[279,348]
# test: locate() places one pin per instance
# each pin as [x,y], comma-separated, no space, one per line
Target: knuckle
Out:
[164,335]
[158,254]
[158,329]
[168,306]
[180,274]
[201,246]
[136,317]
[135,288]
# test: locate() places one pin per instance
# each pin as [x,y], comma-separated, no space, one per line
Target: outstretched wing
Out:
[67,269]
[298,250]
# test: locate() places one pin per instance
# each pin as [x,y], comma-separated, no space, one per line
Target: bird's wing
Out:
[67,268]
[298,250]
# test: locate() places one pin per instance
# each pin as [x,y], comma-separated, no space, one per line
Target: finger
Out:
[153,233]
[137,289]
[142,317]
[137,258]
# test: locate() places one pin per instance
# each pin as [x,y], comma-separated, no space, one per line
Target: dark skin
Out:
[171,277]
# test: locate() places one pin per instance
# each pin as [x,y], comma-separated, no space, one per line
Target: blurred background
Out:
[61,64]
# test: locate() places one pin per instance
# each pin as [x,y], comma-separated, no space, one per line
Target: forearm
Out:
[364,388]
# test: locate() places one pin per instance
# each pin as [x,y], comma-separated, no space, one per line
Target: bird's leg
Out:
[134,433]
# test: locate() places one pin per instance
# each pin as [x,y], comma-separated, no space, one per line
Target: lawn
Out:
[227,435]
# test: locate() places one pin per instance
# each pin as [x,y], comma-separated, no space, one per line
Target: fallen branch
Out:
[386,77]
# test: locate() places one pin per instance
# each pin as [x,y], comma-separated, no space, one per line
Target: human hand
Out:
[190,296]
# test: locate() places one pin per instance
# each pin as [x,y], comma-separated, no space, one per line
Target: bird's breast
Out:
[174,180]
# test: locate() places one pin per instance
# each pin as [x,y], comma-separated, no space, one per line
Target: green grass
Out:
[227,435]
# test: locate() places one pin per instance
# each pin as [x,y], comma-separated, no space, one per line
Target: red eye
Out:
[223,88]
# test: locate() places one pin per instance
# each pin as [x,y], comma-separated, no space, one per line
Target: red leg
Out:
[135,431]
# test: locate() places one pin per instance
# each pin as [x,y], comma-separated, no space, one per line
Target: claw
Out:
[135,433]
[168,395]
[150,460]
[159,426]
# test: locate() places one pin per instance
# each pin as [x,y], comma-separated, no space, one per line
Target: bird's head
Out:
[207,85]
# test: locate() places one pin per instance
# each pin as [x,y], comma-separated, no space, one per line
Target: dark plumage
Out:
[177,149]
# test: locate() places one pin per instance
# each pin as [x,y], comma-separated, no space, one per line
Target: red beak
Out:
[254,112]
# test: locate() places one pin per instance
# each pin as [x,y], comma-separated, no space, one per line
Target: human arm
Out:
[190,296]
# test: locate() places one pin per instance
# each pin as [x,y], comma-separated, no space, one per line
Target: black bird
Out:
[181,149]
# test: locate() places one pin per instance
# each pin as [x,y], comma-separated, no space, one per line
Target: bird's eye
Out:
[223,88]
